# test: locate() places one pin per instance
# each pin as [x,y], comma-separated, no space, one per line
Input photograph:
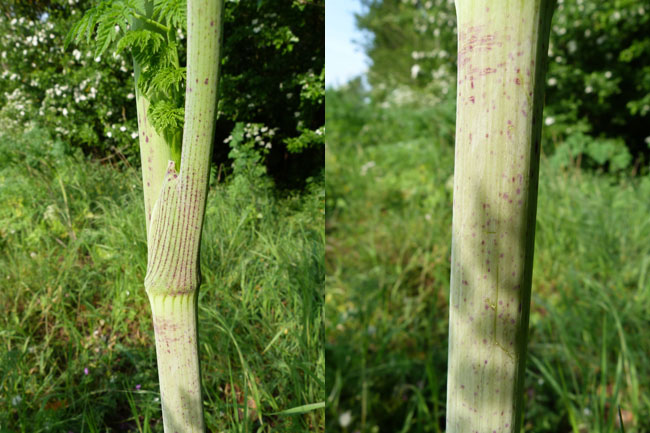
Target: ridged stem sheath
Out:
[155,153]
[502,50]
[175,221]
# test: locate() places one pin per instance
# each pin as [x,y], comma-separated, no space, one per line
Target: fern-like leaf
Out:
[166,117]
[143,43]
[167,79]
[171,12]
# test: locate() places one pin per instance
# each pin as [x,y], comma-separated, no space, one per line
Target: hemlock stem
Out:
[502,50]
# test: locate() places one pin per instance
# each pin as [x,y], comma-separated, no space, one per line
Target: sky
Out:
[344,59]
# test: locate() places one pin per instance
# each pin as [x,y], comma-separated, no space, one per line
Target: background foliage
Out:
[389,179]
[77,353]
[272,76]
[598,91]
[77,350]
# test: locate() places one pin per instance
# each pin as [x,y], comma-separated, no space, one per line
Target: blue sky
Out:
[344,59]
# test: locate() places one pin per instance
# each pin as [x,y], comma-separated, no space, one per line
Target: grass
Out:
[388,181]
[78,352]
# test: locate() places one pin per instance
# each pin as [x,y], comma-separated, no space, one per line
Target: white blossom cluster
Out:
[259,133]
[14,111]
[63,90]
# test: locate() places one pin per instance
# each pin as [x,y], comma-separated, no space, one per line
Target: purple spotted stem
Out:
[174,204]
[502,51]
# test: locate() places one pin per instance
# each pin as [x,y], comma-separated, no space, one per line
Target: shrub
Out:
[273,75]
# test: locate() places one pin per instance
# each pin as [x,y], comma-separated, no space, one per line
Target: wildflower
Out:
[345,419]
[86,371]
[415,70]
[367,166]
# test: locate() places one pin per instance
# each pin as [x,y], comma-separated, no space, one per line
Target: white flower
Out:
[130,96]
[134,135]
[549,120]
[345,419]
[122,128]
[98,59]
[367,166]
[415,70]
[76,54]
[572,46]
[552,81]
[589,89]
[608,74]
[109,134]
[65,111]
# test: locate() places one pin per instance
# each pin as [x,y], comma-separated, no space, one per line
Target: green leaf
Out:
[167,79]
[171,12]
[301,409]
[166,117]
[105,21]
[143,43]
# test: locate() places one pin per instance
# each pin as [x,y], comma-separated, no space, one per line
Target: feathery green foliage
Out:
[153,44]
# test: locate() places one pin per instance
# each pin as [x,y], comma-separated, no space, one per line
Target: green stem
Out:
[153,23]
[502,48]
[155,152]
[174,319]
[174,236]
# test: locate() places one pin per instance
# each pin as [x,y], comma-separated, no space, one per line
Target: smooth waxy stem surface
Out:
[176,221]
[502,50]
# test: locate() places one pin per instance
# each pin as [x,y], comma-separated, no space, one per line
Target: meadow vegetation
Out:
[389,176]
[78,353]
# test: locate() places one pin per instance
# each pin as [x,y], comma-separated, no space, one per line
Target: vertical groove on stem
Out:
[174,319]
